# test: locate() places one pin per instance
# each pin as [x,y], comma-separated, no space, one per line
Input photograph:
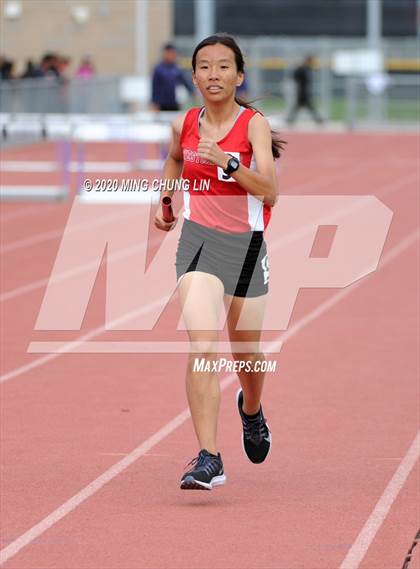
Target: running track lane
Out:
[183,446]
[318,464]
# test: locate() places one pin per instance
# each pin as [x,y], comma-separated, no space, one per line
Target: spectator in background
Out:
[32,71]
[49,66]
[86,69]
[166,76]
[6,68]
[242,90]
[63,66]
[302,77]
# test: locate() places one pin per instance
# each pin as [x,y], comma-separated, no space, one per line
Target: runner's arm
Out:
[172,170]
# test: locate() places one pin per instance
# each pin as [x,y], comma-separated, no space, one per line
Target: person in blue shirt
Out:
[242,90]
[166,76]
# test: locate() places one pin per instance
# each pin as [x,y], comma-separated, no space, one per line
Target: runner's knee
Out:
[255,356]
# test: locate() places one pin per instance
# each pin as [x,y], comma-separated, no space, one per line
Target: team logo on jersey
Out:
[221,175]
[192,156]
[265,268]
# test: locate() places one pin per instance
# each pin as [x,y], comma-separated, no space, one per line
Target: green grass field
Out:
[395,109]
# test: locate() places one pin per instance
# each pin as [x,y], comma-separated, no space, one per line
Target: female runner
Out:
[222,255]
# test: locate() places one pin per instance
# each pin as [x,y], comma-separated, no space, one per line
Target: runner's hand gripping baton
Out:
[167,213]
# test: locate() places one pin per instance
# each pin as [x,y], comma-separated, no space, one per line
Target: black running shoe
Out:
[256,436]
[206,472]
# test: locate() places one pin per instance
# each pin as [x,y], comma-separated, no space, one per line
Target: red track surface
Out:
[342,406]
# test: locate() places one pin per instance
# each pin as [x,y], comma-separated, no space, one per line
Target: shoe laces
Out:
[202,461]
[255,430]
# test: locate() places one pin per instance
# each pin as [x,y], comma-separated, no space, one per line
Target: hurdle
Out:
[39,192]
[136,135]
[136,130]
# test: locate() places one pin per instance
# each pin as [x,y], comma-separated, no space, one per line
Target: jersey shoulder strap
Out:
[190,122]
[242,121]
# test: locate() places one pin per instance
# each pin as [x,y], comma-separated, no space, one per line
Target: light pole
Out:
[374,23]
[205,15]
[373,39]
[141,39]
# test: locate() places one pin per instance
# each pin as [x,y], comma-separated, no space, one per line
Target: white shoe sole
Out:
[242,435]
[190,483]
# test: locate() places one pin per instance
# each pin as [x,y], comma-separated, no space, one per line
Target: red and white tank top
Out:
[225,205]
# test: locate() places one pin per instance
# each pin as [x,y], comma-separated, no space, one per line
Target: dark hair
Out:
[276,143]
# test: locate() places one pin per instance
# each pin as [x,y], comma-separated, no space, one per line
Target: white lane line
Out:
[359,548]
[70,273]
[58,233]
[385,260]
[68,506]
[67,348]
[55,516]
